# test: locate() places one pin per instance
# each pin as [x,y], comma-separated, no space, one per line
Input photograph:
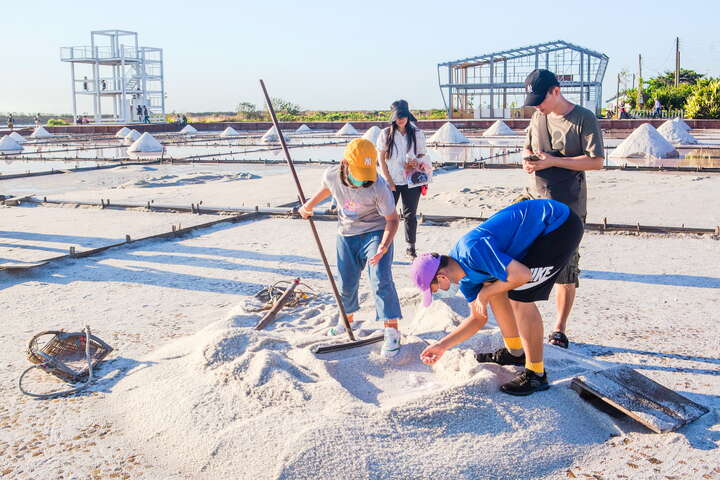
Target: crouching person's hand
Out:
[432,354]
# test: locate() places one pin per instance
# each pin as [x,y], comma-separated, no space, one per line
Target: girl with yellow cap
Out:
[367,222]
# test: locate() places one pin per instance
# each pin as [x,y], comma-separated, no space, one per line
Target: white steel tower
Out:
[116,79]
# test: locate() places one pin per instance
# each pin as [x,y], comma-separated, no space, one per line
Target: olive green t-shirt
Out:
[571,135]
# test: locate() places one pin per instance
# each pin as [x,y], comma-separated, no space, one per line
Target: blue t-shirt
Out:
[485,251]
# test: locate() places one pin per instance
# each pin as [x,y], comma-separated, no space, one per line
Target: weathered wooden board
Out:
[17,267]
[655,406]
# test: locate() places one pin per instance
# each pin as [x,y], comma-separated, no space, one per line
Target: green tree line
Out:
[698,96]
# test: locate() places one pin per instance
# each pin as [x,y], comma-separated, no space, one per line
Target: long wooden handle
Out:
[301,195]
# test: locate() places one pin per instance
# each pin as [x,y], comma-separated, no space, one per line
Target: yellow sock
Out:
[514,346]
[537,367]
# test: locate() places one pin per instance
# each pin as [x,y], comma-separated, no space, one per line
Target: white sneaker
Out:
[391,343]
[338,329]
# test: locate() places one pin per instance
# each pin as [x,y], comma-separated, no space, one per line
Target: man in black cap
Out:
[563,141]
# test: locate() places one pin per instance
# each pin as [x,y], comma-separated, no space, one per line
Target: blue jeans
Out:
[353,252]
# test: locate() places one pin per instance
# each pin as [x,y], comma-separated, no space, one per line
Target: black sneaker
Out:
[501,357]
[526,383]
[411,253]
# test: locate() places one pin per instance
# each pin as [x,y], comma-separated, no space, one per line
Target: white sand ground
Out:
[224,401]
[192,392]
[651,198]
[31,234]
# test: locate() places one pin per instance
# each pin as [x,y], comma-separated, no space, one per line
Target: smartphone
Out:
[532,157]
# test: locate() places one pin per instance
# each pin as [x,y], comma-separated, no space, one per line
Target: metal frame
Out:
[121,70]
[499,78]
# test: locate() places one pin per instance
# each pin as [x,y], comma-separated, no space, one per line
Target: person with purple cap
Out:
[508,262]
[563,142]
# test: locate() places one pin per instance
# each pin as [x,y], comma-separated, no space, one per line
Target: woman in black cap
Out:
[401,145]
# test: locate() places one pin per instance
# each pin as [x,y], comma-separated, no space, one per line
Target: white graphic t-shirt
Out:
[360,210]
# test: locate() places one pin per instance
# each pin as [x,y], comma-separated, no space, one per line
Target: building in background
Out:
[114,79]
[493,85]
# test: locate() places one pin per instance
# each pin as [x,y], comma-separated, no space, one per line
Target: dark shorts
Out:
[546,258]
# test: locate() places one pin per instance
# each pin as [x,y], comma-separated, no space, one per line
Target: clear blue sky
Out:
[336,55]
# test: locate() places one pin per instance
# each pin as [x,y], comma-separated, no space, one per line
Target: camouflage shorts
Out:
[571,272]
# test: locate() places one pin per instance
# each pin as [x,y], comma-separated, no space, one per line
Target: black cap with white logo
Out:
[537,85]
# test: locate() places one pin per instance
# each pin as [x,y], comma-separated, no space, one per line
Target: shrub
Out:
[705,100]
[54,122]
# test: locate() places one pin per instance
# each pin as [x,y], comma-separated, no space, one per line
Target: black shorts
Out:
[546,257]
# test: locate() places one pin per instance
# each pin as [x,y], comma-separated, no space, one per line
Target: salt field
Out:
[286,242]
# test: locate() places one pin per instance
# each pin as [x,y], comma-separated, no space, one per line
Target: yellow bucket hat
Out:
[361,157]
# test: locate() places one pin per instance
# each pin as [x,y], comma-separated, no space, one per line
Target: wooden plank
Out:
[655,406]
[17,267]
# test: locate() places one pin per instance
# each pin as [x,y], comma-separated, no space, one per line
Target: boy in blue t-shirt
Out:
[509,262]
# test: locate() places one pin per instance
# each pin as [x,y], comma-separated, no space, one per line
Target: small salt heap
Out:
[132,136]
[498,129]
[17,137]
[677,132]
[271,136]
[122,133]
[303,129]
[644,142]
[188,130]
[448,133]
[7,144]
[372,134]
[347,129]
[145,144]
[229,132]
[40,132]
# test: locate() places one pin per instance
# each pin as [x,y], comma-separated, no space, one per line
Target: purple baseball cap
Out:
[422,272]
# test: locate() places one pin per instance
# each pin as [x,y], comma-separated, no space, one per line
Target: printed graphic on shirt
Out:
[539,275]
[351,208]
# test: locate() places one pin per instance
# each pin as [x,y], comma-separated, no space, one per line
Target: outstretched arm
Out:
[392,222]
[306,210]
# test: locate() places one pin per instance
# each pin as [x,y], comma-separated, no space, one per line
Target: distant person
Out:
[401,145]
[563,141]
[10,121]
[139,112]
[367,223]
[184,120]
[625,112]
[657,108]
[103,84]
[508,262]
[37,120]
[85,83]
[146,115]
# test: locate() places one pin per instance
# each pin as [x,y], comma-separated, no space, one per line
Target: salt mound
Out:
[645,142]
[372,134]
[17,137]
[188,129]
[182,180]
[303,129]
[271,136]
[7,144]
[40,132]
[229,132]
[222,396]
[676,132]
[499,128]
[122,133]
[146,144]
[132,136]
[347,129]
[448,133]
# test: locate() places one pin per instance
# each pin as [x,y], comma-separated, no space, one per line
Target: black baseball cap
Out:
[537,85]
